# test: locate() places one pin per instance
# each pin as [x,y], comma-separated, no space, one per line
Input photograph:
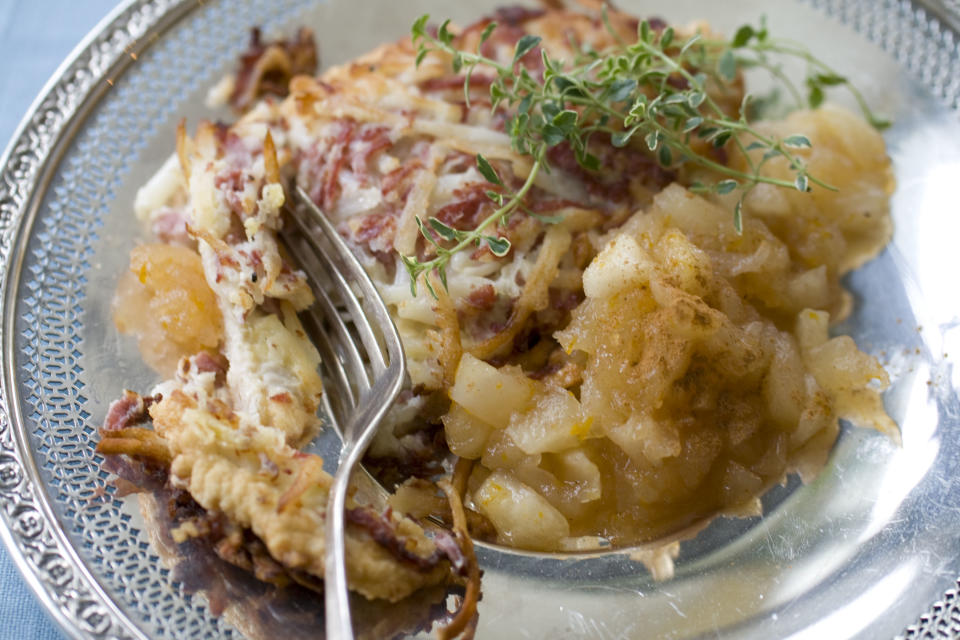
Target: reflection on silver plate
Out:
[862,551]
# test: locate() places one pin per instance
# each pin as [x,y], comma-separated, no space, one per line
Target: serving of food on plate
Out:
[595,423]
[613,269]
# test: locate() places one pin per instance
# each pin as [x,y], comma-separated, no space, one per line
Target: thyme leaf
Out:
[656,92]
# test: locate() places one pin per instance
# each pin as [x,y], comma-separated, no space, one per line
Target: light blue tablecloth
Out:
[35,37]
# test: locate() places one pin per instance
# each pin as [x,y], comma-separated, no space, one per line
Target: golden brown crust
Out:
[222,466]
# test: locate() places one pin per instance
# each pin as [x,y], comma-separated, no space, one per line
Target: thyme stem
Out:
[625,92]
[476,235]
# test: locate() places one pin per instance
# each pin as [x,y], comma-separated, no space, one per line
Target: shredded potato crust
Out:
[631,367]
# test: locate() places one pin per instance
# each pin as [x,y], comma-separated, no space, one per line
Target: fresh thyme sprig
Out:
[499,245]
[657,89]
[752,48]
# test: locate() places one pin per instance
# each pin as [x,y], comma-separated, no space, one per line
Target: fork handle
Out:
[358,433]
[336,595]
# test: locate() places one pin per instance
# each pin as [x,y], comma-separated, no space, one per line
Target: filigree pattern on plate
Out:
[53,495]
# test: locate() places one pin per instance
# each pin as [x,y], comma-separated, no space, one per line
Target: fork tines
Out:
[348,314]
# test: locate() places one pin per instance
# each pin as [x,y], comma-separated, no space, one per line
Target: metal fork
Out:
[363,358]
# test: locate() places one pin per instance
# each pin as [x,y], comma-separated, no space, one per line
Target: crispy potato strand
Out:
[534,296]
[465,620]
[135,442]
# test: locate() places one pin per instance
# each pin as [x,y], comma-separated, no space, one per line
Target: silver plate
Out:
[861,552]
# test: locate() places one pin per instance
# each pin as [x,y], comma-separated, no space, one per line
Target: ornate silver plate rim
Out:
[28,525]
